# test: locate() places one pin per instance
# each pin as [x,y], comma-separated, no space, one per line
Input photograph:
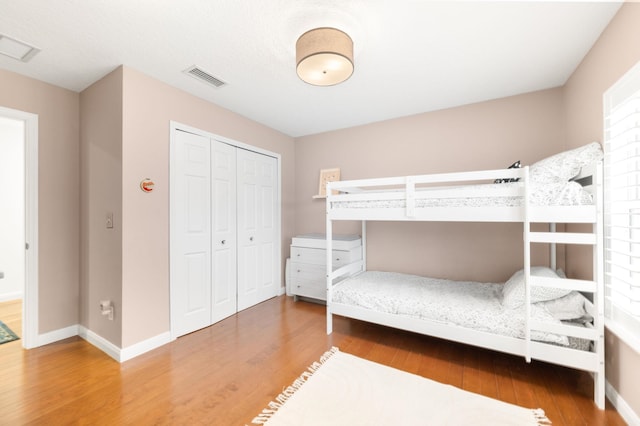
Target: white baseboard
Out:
[124,354]
[145,346]
[119,354]
[100,342]
[5,297]
[55,335]
[625,411]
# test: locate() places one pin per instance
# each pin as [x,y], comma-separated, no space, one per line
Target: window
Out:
[622,207]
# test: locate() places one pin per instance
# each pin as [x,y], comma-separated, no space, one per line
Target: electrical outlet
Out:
[107,309]
[109,220]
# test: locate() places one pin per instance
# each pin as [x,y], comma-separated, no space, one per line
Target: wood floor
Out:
[227,373]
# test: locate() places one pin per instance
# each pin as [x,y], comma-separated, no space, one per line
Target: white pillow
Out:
[513,290]
[566,165]
[569,307]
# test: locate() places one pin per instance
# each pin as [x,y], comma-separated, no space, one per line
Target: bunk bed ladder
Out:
[593,287]
[599,380]
[595,334]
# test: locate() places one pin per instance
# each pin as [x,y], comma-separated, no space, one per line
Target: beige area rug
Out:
[342,389]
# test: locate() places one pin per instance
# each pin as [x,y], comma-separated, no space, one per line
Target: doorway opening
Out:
[19,221]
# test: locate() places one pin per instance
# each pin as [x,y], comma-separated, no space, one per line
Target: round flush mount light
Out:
[324,56]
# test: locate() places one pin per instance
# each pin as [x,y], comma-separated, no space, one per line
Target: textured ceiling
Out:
[410,56]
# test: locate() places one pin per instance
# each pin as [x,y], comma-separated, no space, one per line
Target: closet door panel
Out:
[257,179]
[223,296]
[248,273]
[248,255]
[224,290]
[267,177]
[191,233]
[266,269]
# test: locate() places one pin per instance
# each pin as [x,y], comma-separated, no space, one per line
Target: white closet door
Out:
[224,243]
[191,233]
[257,204]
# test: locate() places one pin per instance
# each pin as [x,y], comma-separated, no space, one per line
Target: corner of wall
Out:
[101,113]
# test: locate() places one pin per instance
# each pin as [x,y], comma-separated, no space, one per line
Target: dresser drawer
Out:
[319,256]
[308,288]
[307,271]
[308,280]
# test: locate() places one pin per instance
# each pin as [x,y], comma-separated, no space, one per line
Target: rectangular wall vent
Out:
[201,75]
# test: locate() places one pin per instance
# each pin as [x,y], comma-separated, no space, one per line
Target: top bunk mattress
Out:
[489,195]
[554,186]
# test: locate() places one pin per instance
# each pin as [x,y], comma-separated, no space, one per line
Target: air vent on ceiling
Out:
[17,49]
[196,72]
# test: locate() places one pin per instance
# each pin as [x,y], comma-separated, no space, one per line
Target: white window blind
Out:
[622,207]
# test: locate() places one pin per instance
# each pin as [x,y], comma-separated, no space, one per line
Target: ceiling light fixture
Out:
[324,56]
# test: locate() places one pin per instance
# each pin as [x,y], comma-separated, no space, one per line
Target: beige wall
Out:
[488,135]
[125,139]
[58,201]
[148,106]
[101,193]
[615,53]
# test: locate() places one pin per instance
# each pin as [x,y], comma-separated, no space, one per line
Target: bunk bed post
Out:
[329,254]
[599,379]
[527,267]
[364,245]
[552,250]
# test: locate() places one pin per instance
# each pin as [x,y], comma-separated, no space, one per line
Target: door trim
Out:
[175,126]
[30,297]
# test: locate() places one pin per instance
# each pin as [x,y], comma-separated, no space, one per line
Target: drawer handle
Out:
[223,242]
[298,270]
[250,238]
[298,254]
[337,259]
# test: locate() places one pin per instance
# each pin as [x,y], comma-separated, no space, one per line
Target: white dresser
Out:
[307,273]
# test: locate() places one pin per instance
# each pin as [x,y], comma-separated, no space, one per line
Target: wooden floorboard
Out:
[227,373]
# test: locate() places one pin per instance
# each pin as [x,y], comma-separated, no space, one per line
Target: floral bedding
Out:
[542,194]
[467,304]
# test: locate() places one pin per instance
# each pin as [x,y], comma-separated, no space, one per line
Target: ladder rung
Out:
[567,283]
[566,330]
[562,237]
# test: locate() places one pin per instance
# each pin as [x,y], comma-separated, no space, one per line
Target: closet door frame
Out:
[175,126]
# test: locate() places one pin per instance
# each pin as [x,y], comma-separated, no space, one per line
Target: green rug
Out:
[6,335]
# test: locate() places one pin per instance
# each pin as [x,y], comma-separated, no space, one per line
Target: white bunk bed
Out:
[562,198]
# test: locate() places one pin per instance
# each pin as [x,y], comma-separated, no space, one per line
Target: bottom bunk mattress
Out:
[468,304]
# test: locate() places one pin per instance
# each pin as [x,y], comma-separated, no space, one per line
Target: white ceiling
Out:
[411,56]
